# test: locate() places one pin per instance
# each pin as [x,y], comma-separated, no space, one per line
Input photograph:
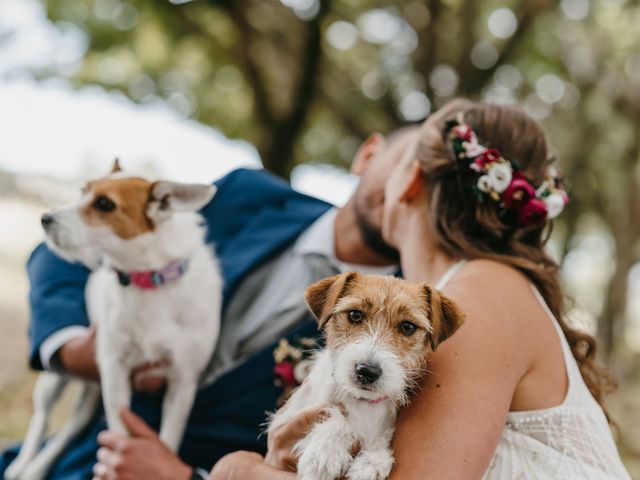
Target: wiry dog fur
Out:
[141,226]
[379,331]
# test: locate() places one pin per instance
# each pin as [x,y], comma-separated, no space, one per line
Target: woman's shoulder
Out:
[492,271]
[495,294]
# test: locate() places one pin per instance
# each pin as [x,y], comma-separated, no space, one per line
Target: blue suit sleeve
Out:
[56,297]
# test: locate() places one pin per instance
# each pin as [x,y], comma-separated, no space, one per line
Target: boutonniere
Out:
[293,363]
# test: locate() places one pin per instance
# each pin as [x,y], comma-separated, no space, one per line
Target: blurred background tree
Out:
[306,81]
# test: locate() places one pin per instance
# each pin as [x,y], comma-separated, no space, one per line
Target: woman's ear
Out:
[324,294]
[365,153]
[414,183]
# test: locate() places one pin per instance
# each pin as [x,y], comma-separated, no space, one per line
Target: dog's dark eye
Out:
[407,328]
[104,204]
[355,316]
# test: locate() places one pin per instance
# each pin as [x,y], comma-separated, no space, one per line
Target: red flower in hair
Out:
[490,155]
[465,132]
[532,212]
[283,371]
[519,192]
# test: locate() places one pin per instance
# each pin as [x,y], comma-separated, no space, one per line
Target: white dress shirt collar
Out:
[319,239]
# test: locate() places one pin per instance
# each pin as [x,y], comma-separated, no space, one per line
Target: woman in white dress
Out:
[515,393]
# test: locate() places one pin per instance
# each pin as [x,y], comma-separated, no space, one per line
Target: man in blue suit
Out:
[271,241]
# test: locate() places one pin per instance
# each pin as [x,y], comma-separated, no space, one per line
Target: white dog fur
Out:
[177,322]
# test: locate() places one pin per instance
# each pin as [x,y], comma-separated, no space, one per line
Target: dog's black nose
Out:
[46,220]
[367,373]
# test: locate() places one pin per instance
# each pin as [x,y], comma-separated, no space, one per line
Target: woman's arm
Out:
[247,465]
[452,427]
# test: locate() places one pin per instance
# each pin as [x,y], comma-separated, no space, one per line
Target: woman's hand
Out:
[282,440]
[140,456]
[247,465]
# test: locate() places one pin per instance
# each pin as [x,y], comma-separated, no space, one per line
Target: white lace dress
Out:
[570,441]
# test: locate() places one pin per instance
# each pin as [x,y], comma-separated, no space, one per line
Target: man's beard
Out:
[373,238]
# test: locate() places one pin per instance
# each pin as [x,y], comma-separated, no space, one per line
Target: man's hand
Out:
[138,457]
[78,356]
[247,466]
[150,377]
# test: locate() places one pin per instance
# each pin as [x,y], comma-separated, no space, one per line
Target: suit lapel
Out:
[264,236]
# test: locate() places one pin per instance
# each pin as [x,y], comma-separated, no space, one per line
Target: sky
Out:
[69,134]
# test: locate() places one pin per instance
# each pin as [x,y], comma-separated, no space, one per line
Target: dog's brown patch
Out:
[130,195]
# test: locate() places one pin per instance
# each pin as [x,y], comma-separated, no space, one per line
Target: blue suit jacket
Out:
[253,217]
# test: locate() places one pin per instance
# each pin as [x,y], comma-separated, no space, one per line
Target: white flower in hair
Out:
[555,204]
[473,148]
[484,184]
[500,175]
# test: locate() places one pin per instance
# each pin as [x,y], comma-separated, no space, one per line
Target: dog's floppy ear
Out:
[174,196]
[324,294]
[116,166]
[445,316]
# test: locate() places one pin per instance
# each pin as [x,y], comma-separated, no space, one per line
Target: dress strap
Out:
[448,275]
[574,376]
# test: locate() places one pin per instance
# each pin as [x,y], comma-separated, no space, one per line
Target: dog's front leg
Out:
[375,459]
[325,453]
[116,392]
[176,408]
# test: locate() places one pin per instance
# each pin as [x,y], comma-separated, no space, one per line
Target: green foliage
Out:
[306,81]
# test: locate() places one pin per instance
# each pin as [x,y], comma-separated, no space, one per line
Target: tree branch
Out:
[243,48]
[471,84]
[279,158]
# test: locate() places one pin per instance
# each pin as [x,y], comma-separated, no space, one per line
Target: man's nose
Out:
[46,220]
[367,373]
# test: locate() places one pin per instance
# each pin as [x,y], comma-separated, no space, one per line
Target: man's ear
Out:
[116,166]
[444,314]
[324,294]
[365,153]
[180,197]
[414,184]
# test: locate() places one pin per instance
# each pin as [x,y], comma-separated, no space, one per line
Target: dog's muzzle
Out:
[367,373]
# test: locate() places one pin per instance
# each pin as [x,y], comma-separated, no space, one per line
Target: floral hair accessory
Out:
[501,181]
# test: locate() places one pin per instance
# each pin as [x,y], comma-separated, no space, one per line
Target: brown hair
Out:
[468,228]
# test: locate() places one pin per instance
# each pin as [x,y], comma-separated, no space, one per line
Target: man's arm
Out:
[77,356]
[58,313]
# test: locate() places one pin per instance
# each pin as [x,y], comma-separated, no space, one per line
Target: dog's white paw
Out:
[323,461]
[371,465]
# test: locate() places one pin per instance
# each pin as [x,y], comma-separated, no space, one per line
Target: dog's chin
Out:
[371,393]
[73,253]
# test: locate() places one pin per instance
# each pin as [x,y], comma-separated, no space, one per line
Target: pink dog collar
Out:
[377,400]
[153,279]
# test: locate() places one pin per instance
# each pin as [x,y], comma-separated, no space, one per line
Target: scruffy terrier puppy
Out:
[379,332]
[155,294]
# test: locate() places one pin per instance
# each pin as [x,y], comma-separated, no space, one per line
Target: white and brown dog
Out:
[155,294]
[379,332]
